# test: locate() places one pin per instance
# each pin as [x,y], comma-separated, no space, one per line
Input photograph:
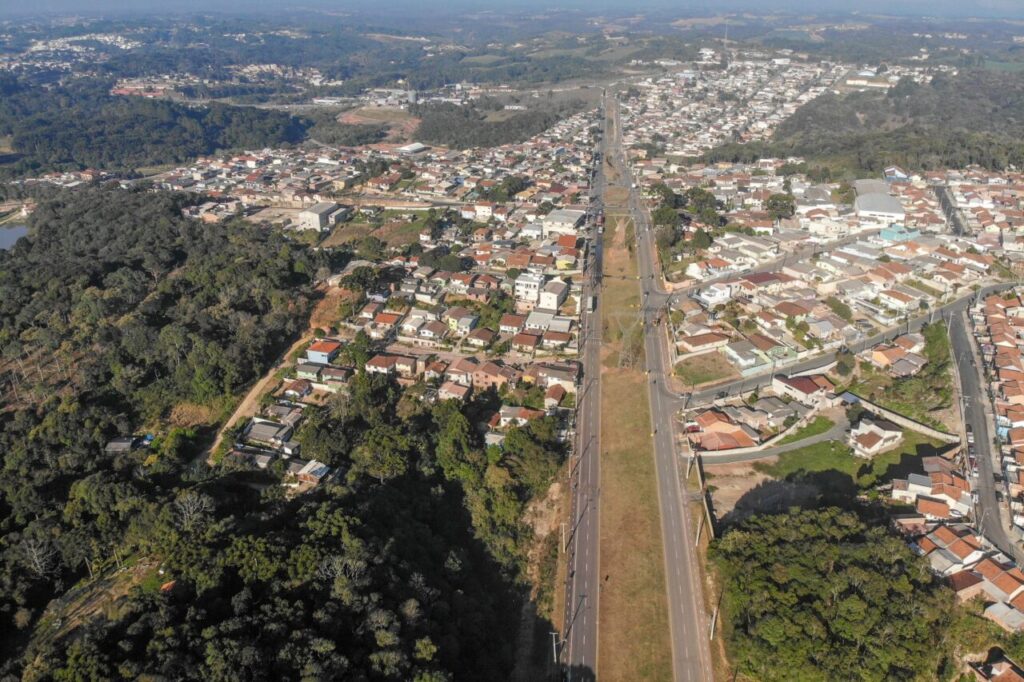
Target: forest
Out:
[466,126]
[953,121]
[115,312]
[80,125]
[823,594]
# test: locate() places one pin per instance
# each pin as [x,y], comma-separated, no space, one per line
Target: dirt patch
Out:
[188,415]
[738,491]
[325,314]
[401,125]
[399,232]
[542,514]
[276,216]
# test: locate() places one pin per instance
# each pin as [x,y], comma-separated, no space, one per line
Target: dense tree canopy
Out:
[465,126]
[115,309]
[80,125]
[408,565]
[953,121]
[812,595]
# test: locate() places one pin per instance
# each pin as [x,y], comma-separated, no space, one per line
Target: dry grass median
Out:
[633,626]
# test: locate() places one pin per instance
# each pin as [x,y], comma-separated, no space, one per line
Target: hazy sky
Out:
[987,8]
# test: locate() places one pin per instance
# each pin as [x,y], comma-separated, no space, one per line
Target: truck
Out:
[591,303]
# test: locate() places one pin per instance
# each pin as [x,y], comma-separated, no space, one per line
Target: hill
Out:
[975,117]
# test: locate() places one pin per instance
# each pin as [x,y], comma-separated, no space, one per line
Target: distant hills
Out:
[975,117]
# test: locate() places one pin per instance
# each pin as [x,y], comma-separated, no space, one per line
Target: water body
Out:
[10,234]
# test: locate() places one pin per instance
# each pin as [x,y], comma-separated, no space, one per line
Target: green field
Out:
[836,458]
[818,426]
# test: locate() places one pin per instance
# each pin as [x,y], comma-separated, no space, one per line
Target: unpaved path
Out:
[250,403]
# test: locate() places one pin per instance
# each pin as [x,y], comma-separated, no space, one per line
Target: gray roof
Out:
[323,208]
[564,215]
[876,202]
[870,186]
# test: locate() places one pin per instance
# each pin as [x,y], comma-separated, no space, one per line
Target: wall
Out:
[908,423]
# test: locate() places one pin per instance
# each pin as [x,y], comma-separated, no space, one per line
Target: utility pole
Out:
[554,647]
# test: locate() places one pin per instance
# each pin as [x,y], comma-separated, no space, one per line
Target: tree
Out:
[781,206]
[665,215]
[803,582]
[839,308]
[383,454]
[701,239]
[845,362]
[192,510]
[39,556]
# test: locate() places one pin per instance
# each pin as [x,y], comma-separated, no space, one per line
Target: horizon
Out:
[923,9]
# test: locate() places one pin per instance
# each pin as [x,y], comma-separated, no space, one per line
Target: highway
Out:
[579,646]
[691,656]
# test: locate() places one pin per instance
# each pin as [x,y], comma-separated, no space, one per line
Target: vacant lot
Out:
[276,216]
[704,369]
[399,232]
[347,232]
[401,124]
[616,197]
[633,615]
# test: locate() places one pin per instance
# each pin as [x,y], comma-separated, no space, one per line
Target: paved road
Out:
[954,218]
[579,649]
[975,396]
[691,657]
[913,324]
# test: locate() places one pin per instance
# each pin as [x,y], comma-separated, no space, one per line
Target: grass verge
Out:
[633,614]
[817,427]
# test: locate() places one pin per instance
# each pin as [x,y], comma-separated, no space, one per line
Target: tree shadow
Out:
[909,463]
[772,497]
[576,673]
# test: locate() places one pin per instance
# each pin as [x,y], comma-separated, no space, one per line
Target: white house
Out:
[553,295]
[528,286]
[873,436]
